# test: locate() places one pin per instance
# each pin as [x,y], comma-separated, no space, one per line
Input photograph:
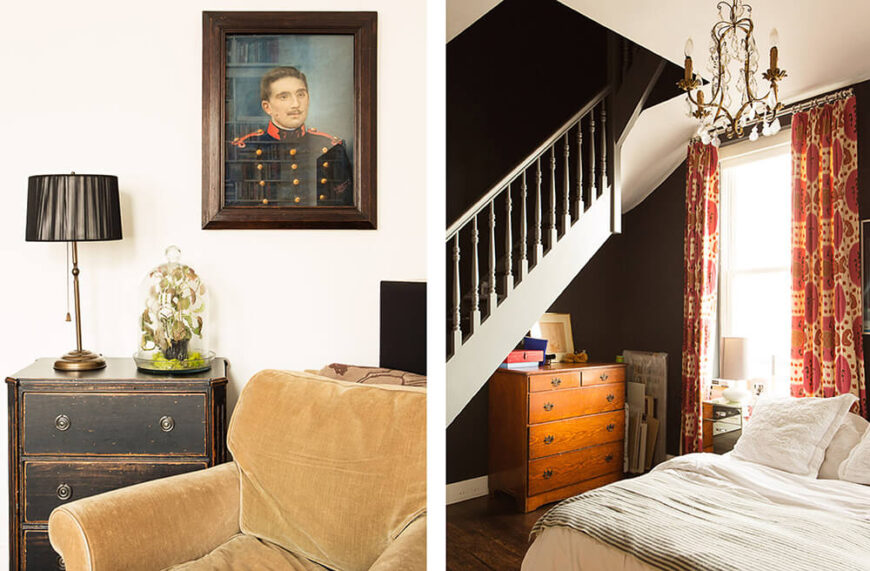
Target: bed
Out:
[711,512]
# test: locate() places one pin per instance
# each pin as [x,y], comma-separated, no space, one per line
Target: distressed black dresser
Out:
[76,434]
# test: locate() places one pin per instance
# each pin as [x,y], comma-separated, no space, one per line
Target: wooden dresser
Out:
[555,431]
[76,434]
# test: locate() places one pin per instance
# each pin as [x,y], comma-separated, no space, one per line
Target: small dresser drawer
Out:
[566,435]
[602,376]
[556,405]
[50,484]
[555,380]
[37,553]
[138,424]
[572,467]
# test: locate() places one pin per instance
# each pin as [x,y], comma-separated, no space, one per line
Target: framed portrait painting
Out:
[289,114]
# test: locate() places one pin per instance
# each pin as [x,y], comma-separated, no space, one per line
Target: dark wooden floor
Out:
[488,533]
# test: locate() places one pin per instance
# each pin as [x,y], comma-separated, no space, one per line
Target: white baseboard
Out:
[467,489]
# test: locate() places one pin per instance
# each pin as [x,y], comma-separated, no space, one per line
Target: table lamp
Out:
[74,208]
[734,365]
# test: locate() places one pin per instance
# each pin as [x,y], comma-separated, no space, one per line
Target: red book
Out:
[522,356]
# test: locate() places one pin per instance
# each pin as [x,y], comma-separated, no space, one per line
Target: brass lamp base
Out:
[80,361]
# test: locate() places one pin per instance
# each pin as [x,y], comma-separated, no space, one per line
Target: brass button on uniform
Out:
[322,197]
[292,152]
[325,164]
[296,181]
[259,152]
[262,183]
[260,167]
[294,166]
[323,150]
[297,200]
[323,181]
[265,201]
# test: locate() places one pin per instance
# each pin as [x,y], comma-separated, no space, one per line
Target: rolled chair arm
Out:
[407,552]
[149,526]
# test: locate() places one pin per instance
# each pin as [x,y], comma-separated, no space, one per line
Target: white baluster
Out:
[457,297]
[523,270]
[554,234]
[493,293]
[508,245]
[539,245]
[475,278]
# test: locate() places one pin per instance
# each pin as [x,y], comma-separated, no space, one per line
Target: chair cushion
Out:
[330,470]
[241,551]
[371,375]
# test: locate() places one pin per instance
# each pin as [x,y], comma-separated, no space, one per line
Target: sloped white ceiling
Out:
[824,45]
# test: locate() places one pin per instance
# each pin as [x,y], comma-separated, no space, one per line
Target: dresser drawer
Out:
[565,469]
[37,554]
[556,405]
[114,423]
[603,375]
[566,435]
[554,380]
[50,484]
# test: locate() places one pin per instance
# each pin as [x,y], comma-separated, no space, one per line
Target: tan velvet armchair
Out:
[325,474]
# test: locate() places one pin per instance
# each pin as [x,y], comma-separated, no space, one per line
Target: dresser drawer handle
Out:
[611,427]
[167,423]
[608,458]
[549,439]
[610,398]
[603,377]
[62,422]
[64,492]
[548,474]
[555,381]
[60,563]
[548,407]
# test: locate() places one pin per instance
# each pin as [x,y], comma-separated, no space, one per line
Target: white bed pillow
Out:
[845,439]
[856,468]
[792,434]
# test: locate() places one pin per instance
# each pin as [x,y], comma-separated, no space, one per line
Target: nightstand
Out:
[723,425]
[77,434]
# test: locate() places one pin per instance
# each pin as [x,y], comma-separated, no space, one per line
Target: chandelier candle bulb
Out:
[690,46]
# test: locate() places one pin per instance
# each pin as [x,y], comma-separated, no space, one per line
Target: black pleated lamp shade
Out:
[73,207]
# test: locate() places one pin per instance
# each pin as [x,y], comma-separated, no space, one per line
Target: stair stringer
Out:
[477,358]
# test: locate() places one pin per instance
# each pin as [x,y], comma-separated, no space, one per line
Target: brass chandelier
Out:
[729,108]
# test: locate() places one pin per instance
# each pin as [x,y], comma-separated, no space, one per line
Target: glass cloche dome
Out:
[174,322]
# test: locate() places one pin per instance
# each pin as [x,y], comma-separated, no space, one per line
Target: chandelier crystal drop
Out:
[726,106]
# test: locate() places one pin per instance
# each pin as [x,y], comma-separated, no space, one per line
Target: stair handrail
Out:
[525,164]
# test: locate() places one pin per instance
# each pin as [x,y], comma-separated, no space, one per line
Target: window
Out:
[755,262]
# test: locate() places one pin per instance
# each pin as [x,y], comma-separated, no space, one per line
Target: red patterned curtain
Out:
[701,253]
[827,357]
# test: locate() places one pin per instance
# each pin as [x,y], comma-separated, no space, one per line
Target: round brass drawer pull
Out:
[611,427]
[549,439]
[548,474]
[167,423]
[603,376]
[60,563]
[608,458]
[556,381]
[548,407]
[64,492]
[62,422]
[610,398]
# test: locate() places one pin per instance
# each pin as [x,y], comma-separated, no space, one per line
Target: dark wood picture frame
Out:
[216,214]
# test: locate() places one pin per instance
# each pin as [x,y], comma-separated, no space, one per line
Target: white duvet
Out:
[558,547]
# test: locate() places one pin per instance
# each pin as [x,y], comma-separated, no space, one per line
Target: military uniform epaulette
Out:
[333,140]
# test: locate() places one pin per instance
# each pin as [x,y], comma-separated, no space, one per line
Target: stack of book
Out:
[522,358]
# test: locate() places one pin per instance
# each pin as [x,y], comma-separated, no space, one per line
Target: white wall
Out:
[98,86]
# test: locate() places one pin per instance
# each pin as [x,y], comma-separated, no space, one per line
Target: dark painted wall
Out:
[513,77]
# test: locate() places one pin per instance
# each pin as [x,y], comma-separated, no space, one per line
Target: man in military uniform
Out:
[289,163]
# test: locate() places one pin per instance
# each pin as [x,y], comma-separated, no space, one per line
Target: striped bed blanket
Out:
[708,512]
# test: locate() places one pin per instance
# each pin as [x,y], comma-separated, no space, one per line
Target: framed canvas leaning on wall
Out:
[289,112]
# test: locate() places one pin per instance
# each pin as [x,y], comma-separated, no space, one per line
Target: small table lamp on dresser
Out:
[74,208]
